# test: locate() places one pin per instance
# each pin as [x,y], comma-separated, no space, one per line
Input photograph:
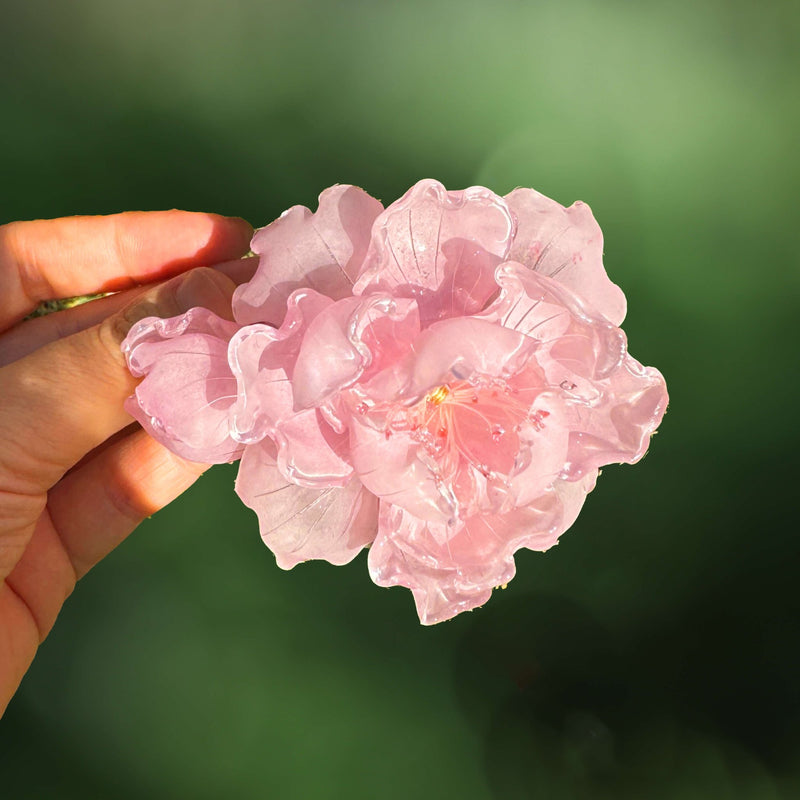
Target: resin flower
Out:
[440,380]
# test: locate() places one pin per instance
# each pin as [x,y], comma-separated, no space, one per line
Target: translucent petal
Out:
[188,389]
[310,452]
[387,462]
[618,427]
[263,358]
[323,251]
[450,570]
[439,247]
[455,348]
[574,340]
[352,338]
[612,403]
[565,244]
[299,523]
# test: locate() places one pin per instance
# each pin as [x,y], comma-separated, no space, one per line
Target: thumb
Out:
[66,398]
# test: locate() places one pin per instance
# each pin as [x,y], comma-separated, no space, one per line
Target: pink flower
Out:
[440,380]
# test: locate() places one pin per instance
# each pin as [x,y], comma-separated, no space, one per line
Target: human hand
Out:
[76,477]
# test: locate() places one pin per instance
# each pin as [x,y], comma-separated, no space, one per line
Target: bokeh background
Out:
[654,653]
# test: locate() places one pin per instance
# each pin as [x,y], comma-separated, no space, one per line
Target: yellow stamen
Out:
[438,396]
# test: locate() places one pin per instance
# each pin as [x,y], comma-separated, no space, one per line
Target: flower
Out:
[440,380]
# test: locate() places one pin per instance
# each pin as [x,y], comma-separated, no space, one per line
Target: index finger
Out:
[46,259]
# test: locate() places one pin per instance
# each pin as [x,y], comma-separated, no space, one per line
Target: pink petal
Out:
[323,251]
[263,359]
[311,453]
[450,570]
[618,427]
[439,247]
[354,336]
[185,398]
[576,345]
[544,445]
[299,523]
[565,244]
[387,462]
[459,348]
[386,453]
[613,404]
[572,495]
[385,329]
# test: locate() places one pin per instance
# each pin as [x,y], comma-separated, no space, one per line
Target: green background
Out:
[653,653]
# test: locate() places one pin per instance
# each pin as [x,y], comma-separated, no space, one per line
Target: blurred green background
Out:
[654,653]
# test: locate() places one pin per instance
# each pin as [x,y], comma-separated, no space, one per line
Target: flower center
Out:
[438,396]
[473,421]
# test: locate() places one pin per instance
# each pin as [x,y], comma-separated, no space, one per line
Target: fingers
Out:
[97,505]
[30,335]
[45,259]
[89,513]
[66,398]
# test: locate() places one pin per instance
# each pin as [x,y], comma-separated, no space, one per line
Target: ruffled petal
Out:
[311,453]
[439,247]
[351,340]
[613,404]
[565,244]
[263,359]
[388,463]
[618,427]
[454,348]
[454,569]
[323,251]
[188,389]
[576,345]
[573,495]
[544,438]
[390,447]
[299,523]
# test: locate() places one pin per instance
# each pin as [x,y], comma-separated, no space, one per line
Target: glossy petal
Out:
[323,251]
[455,348]
[618,427]
[263,358]
[572,495]
[565,244]
[388,463]
[544,445]
[577,346]
[299,523]
[440,248]
[352,337]
[393,434]
[613,404]
[188,389]
[311,453]
[450,571]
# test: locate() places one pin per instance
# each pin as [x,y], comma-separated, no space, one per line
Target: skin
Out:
[76,476]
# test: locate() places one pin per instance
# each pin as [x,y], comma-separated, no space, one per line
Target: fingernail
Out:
[207,288]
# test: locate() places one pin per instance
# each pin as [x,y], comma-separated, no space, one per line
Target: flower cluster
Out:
[440,380]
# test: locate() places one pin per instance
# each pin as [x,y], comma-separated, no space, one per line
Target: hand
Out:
[76,477]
